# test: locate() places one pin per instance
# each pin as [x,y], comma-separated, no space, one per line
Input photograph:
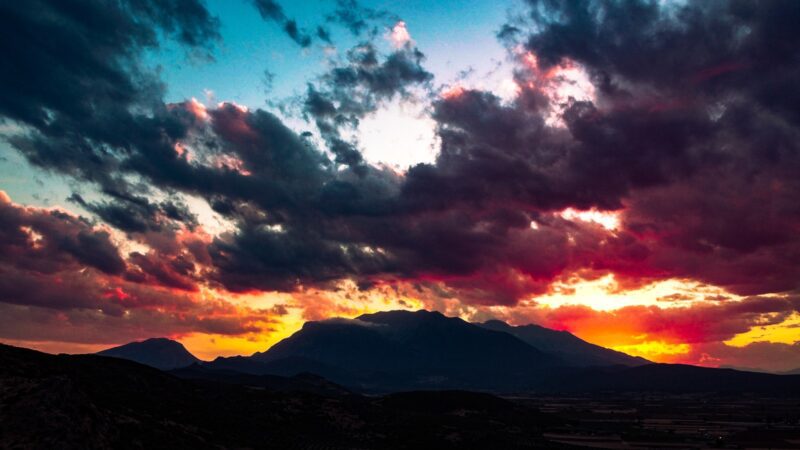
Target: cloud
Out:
[87,65]
[351,90]
[271,10]
[61,278]
[31,323]
[691,324]
[357,19]
[43,240]
[687,133]
[399,35]
[772,356]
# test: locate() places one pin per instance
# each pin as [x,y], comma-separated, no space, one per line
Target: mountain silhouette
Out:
[161,353]
[566,345]
[402,350]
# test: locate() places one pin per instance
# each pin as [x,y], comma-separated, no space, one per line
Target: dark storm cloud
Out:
[52,246]
[493,152]
[135,214]
[282,181]
[174,272]
[73,77]
[45,240]
[700,159]
[61,278]
[726,45]
[694,103]
[69,61]
[682,135]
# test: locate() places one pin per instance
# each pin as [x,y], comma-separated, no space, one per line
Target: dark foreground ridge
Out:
[94,402]
[88,401]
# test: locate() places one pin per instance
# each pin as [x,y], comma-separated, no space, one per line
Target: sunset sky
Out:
[220,172]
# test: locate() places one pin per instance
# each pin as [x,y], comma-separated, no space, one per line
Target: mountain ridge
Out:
[403,350]
[161,353]
[394,351]
[567,345]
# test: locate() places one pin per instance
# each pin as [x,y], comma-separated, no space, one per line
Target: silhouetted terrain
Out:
[88,401]
[401,350]
[160,353]
[566,345]
[304,382]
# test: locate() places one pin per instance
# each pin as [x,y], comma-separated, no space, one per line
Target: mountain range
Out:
[402,350]
[398,350]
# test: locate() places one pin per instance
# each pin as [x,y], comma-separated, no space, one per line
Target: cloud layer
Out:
[680,119]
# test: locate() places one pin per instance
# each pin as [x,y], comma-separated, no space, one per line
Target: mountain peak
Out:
[161,353]
[402,314]
[408,349]
[158,341]
[495,323]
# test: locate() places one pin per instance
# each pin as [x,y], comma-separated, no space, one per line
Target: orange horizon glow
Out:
[594,310]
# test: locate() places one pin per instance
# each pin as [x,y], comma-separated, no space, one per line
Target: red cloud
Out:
[63,279]
[699,323]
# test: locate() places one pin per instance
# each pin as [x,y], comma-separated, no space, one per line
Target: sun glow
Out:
[285,313]
[654,350]
[605,294]
[399,35]
[610,220]
[400,135]
[786,332]
[452,92]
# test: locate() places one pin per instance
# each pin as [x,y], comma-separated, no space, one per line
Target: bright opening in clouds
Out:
[607,219]
[402,134]
[399,35]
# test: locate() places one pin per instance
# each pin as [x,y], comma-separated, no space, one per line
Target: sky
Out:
[220,172]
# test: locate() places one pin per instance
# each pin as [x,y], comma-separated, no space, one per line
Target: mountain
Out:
[161,353]
[792,372]
[403,350]
[93,402]
[566,345]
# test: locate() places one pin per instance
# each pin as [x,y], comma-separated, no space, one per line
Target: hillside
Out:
[161,353]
